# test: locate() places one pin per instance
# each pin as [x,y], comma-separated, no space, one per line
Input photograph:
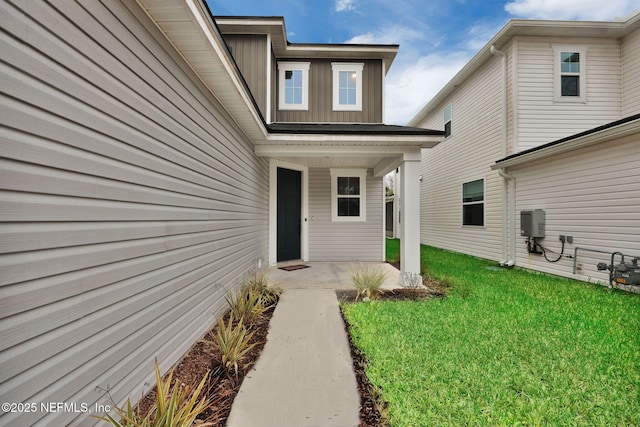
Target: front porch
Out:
[327,275]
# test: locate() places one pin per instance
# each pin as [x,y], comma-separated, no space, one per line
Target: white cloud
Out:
[411,84]
[571,9]
[345,5]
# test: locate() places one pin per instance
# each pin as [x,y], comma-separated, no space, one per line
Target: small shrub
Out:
[232,341]
[247,304]
[367,281]
[174,406]
[270,291]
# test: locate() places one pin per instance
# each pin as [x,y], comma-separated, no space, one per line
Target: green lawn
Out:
[506,347]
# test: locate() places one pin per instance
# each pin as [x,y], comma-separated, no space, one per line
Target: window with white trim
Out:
[570,74]
[348,194]
[347,86]
[473,203]
[293,83]
[447,120]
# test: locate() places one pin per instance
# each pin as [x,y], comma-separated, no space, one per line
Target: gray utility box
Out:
[532,223]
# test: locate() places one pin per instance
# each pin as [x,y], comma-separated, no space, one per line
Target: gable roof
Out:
[528,27]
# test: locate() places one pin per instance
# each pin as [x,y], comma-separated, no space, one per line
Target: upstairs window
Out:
[447,120]
[293,81]
[473,203]
[570,82]
[347,86]
[348,194]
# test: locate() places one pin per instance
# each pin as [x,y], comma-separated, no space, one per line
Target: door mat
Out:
[294,267]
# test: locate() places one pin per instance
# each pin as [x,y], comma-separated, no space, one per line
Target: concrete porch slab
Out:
[328,275]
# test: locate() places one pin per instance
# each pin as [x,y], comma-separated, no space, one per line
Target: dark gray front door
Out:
[289,213]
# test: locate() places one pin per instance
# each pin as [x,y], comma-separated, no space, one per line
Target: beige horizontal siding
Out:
[130,204]
[466,155]
[592,194]
[540,118]
[346,241]
[631,74]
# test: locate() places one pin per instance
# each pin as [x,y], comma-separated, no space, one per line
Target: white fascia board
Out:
[221,65]
[334,150]
[618,132]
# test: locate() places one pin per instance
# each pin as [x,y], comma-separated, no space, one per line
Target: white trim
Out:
[449,106]
[274,164]
[384,110]
[359,173]
[293,66]
[269,103]
[353,67]
[483,201]
[557,74]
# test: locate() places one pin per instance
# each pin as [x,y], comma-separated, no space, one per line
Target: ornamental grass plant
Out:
[367,281]
[175,406]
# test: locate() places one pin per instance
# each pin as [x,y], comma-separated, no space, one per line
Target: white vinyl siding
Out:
[631,74]
[129,203]
[464,156]
[540,118]
[592,194]
[343,241]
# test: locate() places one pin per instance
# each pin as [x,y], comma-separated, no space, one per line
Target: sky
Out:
[436,37]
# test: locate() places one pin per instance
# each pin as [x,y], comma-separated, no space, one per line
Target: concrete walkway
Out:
[304,376]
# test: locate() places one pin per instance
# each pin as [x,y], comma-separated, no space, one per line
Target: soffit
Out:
[189,28]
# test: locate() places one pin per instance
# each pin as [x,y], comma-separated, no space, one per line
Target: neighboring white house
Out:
[545,116]
[149,158]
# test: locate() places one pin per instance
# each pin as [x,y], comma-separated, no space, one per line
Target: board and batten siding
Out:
[540,118]
[592,194]
[466,155]
[343,241]
[130,204]
[631,74]
[250,53]
[321,96]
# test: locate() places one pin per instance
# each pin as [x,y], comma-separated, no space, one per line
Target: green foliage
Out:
[176,406]
[393,250]
[247,304]
[232,341]
[367,281]
[270,292]
[506,347]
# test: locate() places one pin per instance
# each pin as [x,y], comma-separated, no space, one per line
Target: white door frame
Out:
[274,164]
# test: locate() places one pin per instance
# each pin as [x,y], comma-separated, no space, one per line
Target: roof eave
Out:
[613,131]
[528,27]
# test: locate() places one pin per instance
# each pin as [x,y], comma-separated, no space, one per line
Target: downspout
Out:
[508,257]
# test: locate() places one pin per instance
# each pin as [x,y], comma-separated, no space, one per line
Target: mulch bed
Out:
[203,357]
[222,388]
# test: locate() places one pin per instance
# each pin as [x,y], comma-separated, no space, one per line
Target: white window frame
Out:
[476,202]
[356,173]
[582,74]
[283,67]
[353,67]
[449,107]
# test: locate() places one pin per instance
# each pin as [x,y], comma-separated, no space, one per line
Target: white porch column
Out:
[410,213]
